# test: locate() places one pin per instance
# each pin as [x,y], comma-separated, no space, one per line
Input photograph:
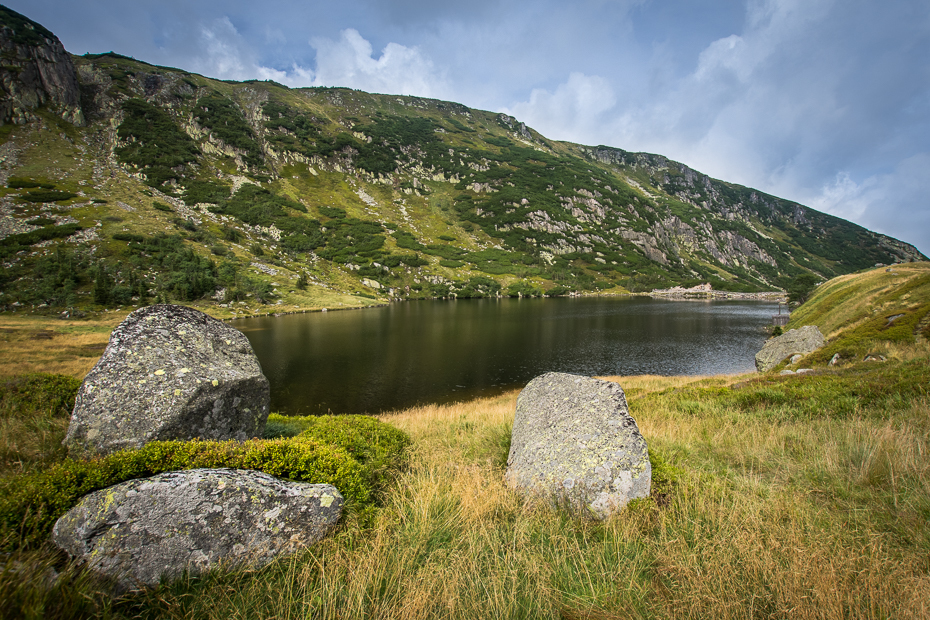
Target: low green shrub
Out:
[14,243]
[23,183]
[52,394]
[47,195]
[355,454]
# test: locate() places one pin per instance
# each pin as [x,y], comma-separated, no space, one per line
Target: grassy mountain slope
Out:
[873,312]
[184,188]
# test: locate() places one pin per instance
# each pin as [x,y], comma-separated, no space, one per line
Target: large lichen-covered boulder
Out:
[799,341]
[574,441]
[141,531]
[169,372]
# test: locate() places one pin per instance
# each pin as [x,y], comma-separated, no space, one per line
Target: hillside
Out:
[870,312]
[127,182]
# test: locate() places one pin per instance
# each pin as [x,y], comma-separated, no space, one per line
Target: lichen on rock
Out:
[169,372]
[575,441]
[141,531]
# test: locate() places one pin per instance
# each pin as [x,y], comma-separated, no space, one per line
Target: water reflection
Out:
[418,352]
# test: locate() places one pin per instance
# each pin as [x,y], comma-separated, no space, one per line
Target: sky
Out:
[824,102]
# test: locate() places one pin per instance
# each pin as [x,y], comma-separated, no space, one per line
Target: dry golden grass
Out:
[816,519]
[822,518]
[50,345]
[846,302]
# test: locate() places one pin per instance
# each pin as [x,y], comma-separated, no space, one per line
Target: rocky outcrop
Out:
[141,531]
[799,341]
[574,441]
[169,372]
[36,71]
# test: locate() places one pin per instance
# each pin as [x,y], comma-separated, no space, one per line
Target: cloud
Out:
[349,61]
[894,203]
[223,53]
[574,108]
[822,102]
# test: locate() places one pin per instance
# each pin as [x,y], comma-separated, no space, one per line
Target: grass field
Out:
[772,515]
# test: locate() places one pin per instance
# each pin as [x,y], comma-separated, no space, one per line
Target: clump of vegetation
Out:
[357,454]
[47,195]
[153,143]
[801,288]
[225,122]
[24,183]
[15,243]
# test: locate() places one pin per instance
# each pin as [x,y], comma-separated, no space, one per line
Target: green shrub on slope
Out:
[353,453]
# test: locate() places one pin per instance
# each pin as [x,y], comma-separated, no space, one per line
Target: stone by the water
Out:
[793,342]
[169,372]
[141,531]
[574,441]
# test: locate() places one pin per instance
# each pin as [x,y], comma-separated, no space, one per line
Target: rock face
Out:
[140,531]
[169,372]
[799,341]
[575,441]
[36,71]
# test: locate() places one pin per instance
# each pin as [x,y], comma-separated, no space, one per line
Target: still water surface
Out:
[403,354]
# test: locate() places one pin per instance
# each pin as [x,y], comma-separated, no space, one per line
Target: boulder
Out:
[141,531]
[799,341]
[169,372]
[574,441]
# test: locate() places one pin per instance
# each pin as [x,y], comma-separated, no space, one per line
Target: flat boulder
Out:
[794,342]
[141,531]
[575,442]
[169,372]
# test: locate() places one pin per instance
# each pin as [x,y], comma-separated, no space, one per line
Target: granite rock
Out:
[574,441]
[141,531]
[799,341]
[169,372]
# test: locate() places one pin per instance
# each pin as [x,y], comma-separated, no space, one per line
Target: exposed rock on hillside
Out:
[169,372]
[141,531]
[574,440]
[36,71]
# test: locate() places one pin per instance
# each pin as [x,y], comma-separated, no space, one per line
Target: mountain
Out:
[127,182]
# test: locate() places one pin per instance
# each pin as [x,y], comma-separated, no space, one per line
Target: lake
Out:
[378,359]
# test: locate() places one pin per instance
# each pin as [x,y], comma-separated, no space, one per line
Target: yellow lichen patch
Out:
[159,372]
